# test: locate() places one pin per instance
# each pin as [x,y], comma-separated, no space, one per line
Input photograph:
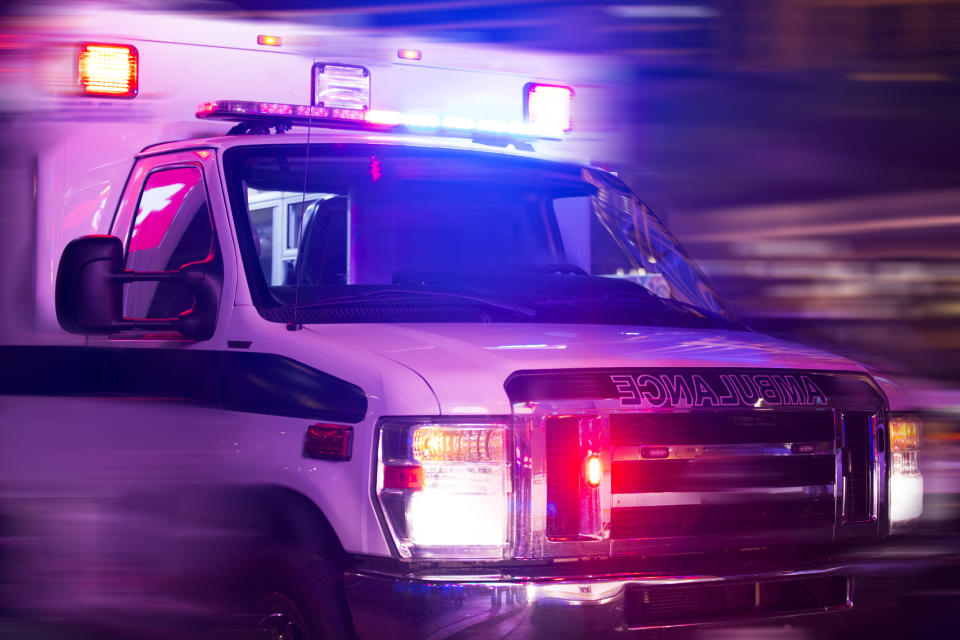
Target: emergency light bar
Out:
[269,114]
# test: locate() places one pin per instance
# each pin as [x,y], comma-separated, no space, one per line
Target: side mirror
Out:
[89,291]
[88,296]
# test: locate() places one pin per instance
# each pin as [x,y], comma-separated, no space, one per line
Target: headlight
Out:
[444,488]
[906,483]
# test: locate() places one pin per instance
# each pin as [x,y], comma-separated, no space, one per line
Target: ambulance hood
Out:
[466,365]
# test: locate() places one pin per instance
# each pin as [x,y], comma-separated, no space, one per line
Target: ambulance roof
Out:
[332,136]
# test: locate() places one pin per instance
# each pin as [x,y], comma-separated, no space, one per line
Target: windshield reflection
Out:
[348,232]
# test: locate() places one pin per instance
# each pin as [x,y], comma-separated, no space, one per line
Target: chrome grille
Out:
[703,472]
[726,473]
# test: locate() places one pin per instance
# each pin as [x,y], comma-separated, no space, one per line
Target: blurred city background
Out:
[805,152]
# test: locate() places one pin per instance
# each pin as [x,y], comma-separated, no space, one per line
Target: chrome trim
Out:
[875,455]
[633,453]
[720,496]
[531,540]
[871,471]
[720,542]
[427,605]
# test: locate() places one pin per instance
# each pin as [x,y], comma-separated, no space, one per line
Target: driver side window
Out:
[172,228]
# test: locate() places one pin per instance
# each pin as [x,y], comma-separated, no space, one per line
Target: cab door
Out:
[171,214]
[128,420]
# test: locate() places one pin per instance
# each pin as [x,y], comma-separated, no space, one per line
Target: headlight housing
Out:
[906,483]
[445,487]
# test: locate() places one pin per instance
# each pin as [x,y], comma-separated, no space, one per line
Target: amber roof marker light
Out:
[270,41]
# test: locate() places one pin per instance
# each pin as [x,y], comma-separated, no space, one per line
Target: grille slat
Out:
[729,473]
[722,427]
[702,519]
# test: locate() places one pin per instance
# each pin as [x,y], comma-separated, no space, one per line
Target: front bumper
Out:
[474,606]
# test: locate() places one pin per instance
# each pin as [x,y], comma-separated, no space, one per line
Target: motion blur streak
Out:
[805,151]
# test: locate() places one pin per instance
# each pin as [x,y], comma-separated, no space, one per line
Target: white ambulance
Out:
[350,350]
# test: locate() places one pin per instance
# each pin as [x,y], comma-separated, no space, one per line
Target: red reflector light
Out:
[328,442]
[403,478]
[592,471]
[109,70]
[270,41]
[548,105]
[409,54]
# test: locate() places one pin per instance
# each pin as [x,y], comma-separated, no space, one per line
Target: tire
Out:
[294,596]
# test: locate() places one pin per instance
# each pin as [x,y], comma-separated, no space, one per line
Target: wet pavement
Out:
[908,587]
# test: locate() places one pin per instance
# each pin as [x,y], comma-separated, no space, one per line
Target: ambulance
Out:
[321,334]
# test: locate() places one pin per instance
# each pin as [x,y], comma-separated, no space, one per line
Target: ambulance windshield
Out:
[375,233]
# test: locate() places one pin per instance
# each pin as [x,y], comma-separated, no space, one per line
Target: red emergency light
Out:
[108,70]
[548,104]
[593,471]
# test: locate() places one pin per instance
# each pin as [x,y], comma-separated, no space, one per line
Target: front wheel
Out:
[282,619]
[295,597]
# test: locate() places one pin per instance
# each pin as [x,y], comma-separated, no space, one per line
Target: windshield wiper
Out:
[604,296]
[401,294]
